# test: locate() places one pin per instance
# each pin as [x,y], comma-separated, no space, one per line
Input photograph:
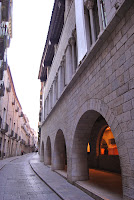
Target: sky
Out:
[30,27]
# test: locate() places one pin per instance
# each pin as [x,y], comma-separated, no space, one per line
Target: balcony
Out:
[40,116]
[13,101]
[8,88]
[2,88]
[5,10]
[16,136]
[12,134]
[25,129]
[23,142]
[17,109]
[21,114]
[4,128]
[1,66]
[4,38]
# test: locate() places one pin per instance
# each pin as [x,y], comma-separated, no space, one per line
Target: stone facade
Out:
[100,85]
[16,136]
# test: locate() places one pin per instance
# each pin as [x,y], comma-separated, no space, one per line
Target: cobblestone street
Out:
[18,181]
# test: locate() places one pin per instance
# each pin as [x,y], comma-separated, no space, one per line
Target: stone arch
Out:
[82,127]
[42,152]
[59,154]
[103,110]
[47,160]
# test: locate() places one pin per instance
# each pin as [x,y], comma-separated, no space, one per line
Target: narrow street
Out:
[18,181]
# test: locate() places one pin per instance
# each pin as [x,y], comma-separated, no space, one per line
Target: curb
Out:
[46,182]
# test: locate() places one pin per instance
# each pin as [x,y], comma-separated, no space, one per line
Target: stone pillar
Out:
[87,29]
[49,102]
[59,81]
[89,4]
[52,97]
[62,74]
[68,64]
[44,110]
[72,42]
[63,64]
[56,86]
[100,16]
[46,106]
[54,92]
[76,48]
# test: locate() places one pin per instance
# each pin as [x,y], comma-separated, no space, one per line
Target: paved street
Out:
[18,181]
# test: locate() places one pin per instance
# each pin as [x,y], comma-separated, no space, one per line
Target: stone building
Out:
[15,131]
[87,69]
[14,137]
[5,36]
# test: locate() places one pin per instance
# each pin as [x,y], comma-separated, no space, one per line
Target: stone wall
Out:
[104,84]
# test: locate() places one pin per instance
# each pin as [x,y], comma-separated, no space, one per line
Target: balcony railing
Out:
[1,65]
[4,128]
[16,136]
[12,134]
[17,109]
[25,129]
[21,114]
[13,101]
[23,142]
[8,88]
[2,88]
[4,29]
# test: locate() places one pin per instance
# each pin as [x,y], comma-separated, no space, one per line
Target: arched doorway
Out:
[94,149]
[42,152]
[59,155]
[47,160]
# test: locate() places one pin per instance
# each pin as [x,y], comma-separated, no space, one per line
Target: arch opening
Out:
[60,155]
[48,152]
[95,157]
[42,152]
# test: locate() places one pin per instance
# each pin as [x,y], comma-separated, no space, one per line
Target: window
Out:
[103,13]
[4,116]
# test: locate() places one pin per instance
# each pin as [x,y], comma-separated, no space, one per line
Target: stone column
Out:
[46,106]
[63,64]
[56,86]
[59,81]
[49,102]
[76,48]
[44,110]
[89,4]
[54,92]
[52,97]
[62,74]
[87,29]
[68,64]
[72,42]
[100,16]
